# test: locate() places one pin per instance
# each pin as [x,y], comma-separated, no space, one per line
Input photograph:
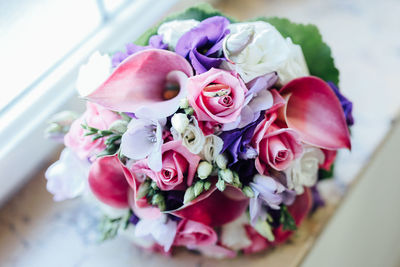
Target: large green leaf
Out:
[316,52]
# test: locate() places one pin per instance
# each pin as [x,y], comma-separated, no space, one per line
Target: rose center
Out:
[226,101]
[168,173]
[282,155]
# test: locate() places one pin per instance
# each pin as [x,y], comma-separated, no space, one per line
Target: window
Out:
[42,45]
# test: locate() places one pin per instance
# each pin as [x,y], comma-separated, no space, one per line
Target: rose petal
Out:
[139,82]
[107,182]
[314,111]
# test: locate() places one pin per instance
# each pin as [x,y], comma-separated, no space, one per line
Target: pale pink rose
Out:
[178,167]
[277,147]
[95,116]
[216,96]
[193,234]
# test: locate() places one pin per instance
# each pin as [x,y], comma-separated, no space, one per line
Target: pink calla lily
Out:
[314,111]
[214,208]
[138,83]
[107,182]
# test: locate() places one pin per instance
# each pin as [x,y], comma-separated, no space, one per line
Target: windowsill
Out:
[23,147]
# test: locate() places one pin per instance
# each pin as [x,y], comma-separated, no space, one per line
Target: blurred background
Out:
[42,45]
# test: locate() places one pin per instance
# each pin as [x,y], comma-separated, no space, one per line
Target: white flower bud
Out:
[179,122]
[236,42]
[63,118]
[184,103]
[221,160]
[119,126]
[204,169]
[227,175]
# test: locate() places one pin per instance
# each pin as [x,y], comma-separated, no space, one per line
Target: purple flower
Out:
[270,193]
[237,142]
[347,105]
[154,42]
[202,45]
[318,201]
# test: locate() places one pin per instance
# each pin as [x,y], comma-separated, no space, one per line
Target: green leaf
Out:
[287,220]
[109,227]
[324,174]
[198,12]
[316,52]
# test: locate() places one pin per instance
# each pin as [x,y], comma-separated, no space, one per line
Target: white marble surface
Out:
[363,35]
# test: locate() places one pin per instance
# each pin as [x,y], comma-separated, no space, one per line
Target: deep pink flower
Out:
[95,116]
[216,96]
[178,167]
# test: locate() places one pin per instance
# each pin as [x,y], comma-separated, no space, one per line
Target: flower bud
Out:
[248,192]
[221,161]
[204,169]
[220,185]
[64,118]
[143,190]
[189,111]
[198,188]
[184,103]
[207,185]
[189,195]
[119,126]
[236,42]
[226,175]
[179,122]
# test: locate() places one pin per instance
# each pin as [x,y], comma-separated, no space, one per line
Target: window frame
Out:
[23,148]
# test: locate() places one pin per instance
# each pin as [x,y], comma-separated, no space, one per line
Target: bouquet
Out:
[206,133]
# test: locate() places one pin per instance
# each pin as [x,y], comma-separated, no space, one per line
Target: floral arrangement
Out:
[206,133]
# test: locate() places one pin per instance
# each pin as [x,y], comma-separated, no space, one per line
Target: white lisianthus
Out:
[212,147]
[257,48]
[172,31]
[67,177]
[192,137]
[233,234]
[93,74]
[179,121]
[304,170]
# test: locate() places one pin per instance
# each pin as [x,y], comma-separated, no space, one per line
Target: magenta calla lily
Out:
[138,83]
[107,182]
[314,111]
[215,208]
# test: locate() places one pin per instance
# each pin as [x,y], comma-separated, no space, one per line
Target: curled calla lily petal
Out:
[214,208]
[138,83]
[299,211]
[107,182]
[314,111]
[139,206]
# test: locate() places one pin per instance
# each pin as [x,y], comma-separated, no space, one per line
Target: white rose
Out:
[93,74]
[172,31]
[304,171]
[257,48]
[67,177]
[212,147]
[233,234]
[192,137]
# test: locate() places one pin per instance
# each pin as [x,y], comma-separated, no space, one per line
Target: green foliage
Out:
[112,140]
[324,174]
[287,220]
[109,227]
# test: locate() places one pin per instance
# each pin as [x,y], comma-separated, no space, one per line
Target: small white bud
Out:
[179,122]
[227,175]
[204,169]
[64,118]
[184,103]
[119,126]
[221,161]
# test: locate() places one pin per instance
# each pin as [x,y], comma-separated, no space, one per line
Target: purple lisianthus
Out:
[347,105]
[237,142]
[154,42]
[270,193]
[202,45]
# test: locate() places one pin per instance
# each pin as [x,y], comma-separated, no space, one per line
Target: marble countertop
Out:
[363,35]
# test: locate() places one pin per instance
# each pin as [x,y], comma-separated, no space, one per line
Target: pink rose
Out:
[258,242]
[216,95]
[330,156]
[277,147]
[178,167]
[95,116]
[193,234]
